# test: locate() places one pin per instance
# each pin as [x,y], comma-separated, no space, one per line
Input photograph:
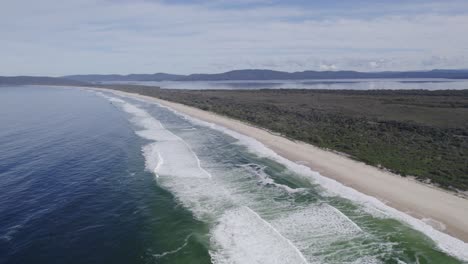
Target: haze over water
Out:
[98,178]
[335,84]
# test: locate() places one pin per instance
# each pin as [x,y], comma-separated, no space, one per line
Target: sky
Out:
[61,37]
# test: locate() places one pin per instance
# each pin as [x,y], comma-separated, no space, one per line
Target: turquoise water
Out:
[100,178]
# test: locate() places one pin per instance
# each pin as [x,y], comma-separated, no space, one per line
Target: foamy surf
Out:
[258,170]
[321,232]
[445,242]
[169,155]
[176,165]
[242,236]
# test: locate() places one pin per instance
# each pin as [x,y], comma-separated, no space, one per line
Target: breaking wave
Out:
[250,224]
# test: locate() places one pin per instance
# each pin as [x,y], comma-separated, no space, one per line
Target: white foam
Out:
[206,198]
[169,155]
[266,180]
[155,161]
[370,260]
[116,100]
[445,242]
[173,251]
[244,237]
[178,162]
[110,98]
[434,223]
[316,228]
[177,167]
[345,217]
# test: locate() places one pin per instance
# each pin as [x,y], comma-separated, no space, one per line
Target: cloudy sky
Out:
[59,37]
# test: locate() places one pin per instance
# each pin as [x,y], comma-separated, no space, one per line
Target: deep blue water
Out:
[73,188]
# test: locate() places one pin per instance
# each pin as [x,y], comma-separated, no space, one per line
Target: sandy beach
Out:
[441,209]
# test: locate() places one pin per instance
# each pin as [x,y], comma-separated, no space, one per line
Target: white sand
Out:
[442,209]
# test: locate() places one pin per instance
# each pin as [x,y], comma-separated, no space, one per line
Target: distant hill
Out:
[240,75]
[130,77]
[237,75]
[30,80]
[279,75]
[258,74]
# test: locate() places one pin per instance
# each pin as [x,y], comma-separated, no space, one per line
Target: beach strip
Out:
[442,209]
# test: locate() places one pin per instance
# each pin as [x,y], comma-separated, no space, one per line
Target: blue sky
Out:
[56,37]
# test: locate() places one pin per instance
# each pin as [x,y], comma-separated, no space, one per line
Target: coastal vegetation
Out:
[410,132]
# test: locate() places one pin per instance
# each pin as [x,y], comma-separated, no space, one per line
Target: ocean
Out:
[95,177]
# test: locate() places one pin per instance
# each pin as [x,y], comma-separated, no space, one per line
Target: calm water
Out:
[99,178]
[352,84]
[73,188]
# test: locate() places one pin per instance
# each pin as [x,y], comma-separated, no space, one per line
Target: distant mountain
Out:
[279,75]
[124,78]
[30,80]
[237,75]
[257,74]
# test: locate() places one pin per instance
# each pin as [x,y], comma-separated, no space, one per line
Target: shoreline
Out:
[434,206]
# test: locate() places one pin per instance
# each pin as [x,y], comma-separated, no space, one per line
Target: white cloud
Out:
[55,37]
[328,67]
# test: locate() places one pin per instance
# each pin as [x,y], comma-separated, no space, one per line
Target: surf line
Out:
[160,163]
[175,250]
[304,260]
[188,146]
[345,216]
[143,114]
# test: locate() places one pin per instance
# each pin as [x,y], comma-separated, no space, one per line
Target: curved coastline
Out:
[425,204]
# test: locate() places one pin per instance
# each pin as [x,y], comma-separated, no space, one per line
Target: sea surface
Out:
[332,84]
[95,177]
